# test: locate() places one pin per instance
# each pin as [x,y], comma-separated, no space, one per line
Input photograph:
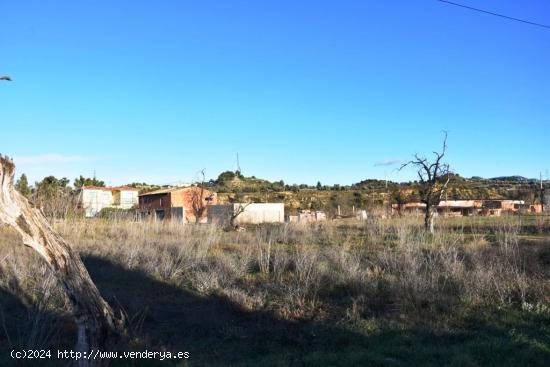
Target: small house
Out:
[453,208]
[177,203]
[94,198]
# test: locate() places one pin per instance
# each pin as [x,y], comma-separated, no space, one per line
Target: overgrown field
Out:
[375,293]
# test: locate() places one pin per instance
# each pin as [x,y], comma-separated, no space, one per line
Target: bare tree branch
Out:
[432,187]
[197,199]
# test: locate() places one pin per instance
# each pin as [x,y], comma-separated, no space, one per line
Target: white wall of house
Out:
[128,199]
[93,200]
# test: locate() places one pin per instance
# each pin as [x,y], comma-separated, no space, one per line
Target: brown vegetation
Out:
[372,274]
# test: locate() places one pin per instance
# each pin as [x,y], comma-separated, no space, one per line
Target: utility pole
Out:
[238,164]
[541,194]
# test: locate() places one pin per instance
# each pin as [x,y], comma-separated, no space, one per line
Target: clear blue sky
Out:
[303,90]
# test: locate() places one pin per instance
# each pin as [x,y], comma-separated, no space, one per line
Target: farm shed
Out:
[251,213]
[93,199]
[408,208]
[178,203]
[458,207]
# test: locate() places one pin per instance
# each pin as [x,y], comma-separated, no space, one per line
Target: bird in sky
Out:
[5,78]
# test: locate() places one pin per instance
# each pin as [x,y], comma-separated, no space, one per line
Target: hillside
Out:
[367,193]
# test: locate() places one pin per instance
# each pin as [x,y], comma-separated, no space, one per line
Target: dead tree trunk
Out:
[235,214]
[429,218]
[97,325]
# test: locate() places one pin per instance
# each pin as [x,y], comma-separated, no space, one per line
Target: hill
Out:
[368,193]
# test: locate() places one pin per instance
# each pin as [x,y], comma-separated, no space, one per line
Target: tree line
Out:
[54,196]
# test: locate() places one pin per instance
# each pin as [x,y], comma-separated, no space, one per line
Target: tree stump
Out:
[98,328]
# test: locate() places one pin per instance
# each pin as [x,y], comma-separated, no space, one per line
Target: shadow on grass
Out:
[216,332]
[31,328]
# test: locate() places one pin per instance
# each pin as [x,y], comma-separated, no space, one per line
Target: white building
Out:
[93,199]
[250,213]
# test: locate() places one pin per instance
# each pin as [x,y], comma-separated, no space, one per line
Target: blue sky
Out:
[304,90]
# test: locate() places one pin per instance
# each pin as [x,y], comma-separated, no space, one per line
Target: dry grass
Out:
[333,273]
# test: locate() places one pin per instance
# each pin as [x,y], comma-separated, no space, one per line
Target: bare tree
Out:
[55,198]
[236,212]
[198,200]
[434,178]
[97,325]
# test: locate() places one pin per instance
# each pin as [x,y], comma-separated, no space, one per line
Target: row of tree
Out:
[54,195]
[52,183]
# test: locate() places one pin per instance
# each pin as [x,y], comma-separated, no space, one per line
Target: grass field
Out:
[345,293]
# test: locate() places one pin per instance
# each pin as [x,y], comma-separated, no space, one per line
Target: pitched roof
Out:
[109,188]
[165,191]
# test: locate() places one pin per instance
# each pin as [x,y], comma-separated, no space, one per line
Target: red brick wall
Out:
[184,198]
[150,203]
